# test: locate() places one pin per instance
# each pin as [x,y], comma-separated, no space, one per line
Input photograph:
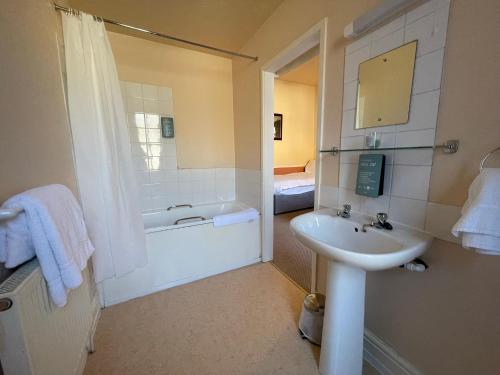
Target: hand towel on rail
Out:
[244,216]
[52,228]
[480,221]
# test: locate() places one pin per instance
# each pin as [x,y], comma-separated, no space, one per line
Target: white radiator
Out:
[38,338]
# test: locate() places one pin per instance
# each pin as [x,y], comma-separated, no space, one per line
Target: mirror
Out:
[384,88]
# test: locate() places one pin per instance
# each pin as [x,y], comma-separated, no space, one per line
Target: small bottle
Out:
[372,140]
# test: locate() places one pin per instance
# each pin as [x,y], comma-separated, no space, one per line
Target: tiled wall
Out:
[155,157]
[407,172]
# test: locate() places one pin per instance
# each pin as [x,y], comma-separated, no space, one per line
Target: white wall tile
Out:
[357,44]
[352,142]
[134,105]
[347,176]
[426,8]
[440,219]
[349,196]
[423,111]
[387,43]
[352,62]
[153,135]
[372,206]
[430,31]
[350,92]
[165,107]
[389,28]
[136,120]
[137,134]
[151,106]
[428,69]
[142,177]
[225,173]
[149,92]
[164,93]
[416,138]
[328,196]
[406,182]
[140,163]
[139,149]
[414,157]
[348,122]
[169,163]
[152,120]
[410,181]
[134,90]
[408,211]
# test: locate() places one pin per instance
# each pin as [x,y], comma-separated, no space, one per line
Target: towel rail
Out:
[485,157]
[9,213]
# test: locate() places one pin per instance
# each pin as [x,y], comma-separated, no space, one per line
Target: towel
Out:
[244,216]
[480,220]
[52,228]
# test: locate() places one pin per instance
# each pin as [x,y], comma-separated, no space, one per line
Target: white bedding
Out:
[293,183]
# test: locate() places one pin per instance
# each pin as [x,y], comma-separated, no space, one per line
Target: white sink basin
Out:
[351,252]
[342,240]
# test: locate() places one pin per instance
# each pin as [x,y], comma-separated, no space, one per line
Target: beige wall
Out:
[297,103]
[202,91]
[35,141]
[445,321]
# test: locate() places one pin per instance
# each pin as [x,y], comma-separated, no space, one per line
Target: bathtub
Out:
[184,246]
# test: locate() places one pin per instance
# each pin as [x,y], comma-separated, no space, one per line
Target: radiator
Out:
[38,338]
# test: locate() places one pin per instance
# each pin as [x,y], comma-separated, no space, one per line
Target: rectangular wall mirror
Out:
[384,88]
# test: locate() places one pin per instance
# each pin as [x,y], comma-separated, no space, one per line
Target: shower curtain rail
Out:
[165,36]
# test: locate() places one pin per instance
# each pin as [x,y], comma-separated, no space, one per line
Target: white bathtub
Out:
[187,251]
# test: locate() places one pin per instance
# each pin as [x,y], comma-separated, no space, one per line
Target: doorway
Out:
[309,45]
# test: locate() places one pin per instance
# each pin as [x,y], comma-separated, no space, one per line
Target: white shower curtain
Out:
[108,190]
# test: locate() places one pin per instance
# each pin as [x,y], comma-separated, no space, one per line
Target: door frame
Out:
[315,36]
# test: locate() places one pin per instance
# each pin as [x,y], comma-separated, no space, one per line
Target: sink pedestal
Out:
[343,326]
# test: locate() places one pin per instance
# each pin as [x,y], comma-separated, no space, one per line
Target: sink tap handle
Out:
[382,217]
[347,208]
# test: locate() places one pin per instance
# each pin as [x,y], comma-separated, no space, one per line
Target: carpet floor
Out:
[239,322]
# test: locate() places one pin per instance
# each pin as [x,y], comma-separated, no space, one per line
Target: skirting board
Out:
[384,358]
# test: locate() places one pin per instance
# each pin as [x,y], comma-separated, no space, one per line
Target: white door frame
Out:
[313,37]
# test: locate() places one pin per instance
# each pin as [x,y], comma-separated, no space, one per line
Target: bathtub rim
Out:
[162,228]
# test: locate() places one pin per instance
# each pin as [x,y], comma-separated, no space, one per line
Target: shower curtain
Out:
[108,189]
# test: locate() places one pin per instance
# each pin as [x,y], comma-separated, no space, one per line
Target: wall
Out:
[203,91]
[407,172]
[161,183]
[35,142]
[445,320]
[297,103]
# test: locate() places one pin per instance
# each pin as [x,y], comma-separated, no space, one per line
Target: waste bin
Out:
[311,317]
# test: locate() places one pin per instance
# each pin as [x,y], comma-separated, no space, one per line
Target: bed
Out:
[294,191]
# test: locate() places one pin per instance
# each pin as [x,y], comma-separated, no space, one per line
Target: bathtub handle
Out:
[179,206]
[189,218]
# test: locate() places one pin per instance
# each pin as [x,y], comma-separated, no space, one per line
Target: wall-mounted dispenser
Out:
[370,181]
[167,127]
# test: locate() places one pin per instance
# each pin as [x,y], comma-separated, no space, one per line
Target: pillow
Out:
[311,166]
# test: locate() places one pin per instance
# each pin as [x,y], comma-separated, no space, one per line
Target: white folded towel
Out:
[480,221]
[244,216]
[52,228]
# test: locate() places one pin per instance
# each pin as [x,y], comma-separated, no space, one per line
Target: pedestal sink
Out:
[350,253]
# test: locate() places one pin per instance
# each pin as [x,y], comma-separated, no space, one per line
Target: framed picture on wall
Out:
[278,126]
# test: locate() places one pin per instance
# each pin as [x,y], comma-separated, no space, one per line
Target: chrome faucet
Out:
[345,212]
[381,223]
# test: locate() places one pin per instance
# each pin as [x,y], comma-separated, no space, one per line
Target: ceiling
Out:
[306,73]
[226,24]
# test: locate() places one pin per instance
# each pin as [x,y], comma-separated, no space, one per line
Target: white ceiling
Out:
[225,24]
[306,73]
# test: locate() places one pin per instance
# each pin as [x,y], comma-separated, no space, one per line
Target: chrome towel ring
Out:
[485,157]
